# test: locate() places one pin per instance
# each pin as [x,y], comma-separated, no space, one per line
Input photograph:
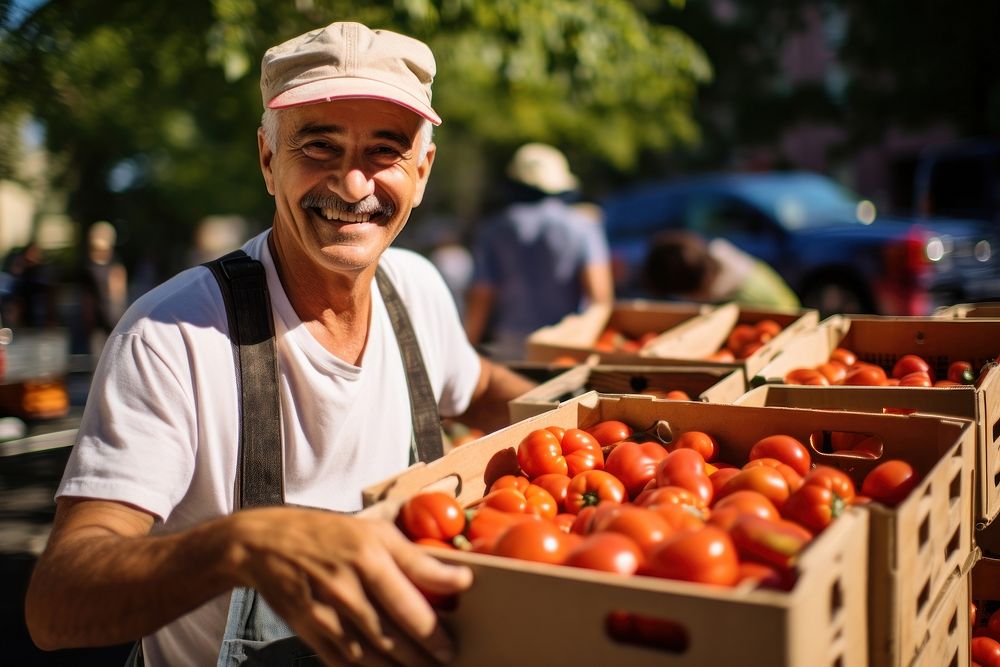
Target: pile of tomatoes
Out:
[612,499]
[910,370]
[985,638]
[614,340]
[745,339]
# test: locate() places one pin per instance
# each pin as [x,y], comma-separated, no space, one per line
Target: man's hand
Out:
[349,587]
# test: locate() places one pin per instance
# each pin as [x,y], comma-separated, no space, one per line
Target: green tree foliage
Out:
[151,107]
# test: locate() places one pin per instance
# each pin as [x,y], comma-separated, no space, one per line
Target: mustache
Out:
[370,205]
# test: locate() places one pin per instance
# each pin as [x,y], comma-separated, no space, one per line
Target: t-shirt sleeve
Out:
[136,438]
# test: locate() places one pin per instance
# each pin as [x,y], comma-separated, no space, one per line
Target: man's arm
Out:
[598,283]
[478,306]
[497,386]
[344,584]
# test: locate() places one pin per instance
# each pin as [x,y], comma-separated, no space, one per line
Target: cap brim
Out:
[343,88]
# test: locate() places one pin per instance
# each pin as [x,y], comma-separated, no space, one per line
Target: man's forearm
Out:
[498,386]
[103,588]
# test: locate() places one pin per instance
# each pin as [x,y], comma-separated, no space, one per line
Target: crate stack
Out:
[881,586]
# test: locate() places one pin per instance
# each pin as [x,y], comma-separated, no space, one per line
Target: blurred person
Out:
[104,286]
[539,259]
[146,540]
[684,265]
[31,300]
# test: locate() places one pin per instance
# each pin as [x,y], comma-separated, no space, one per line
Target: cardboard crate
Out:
[949,629]
[917,547]
[575,335]
[882,340]
[709,384]
[914,548]
[691,333]
[989,309]
[695,340]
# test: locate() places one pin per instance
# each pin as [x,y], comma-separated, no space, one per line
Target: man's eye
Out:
[318,149]
[385,150]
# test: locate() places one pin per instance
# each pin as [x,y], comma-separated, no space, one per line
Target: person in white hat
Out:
[539,259]
[146,542]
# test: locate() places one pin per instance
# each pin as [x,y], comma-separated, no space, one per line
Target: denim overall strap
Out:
[255,634]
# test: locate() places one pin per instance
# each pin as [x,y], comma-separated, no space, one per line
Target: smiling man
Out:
[147,540]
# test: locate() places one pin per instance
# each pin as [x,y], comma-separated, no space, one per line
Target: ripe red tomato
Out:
[706,556]
[762,479]
[556,485]
[669,495]
[699,441]
[890,482]
[993,625]
[539,541]
[767,329]
[793,478]
[844,356]
[635,464]
[582,451]
[806,376]
[506,499]
[910,363]
[609,432]
[865,375]
[833,371]
[540,452]
[746,501]
[519,482]
[644,526]
[916,379]
[680,517]
[590,487]
[720,477]
[686,468]
[786,449]
[961,372]
[775,543]
[740,336]
[608,552]
[487,524]
[986,651]
[433,514]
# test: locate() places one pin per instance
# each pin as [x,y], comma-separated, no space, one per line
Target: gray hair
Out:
[269,123]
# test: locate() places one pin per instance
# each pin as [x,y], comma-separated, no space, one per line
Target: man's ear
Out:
[266,154]
[423,173]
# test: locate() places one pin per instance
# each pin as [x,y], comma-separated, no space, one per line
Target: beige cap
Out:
[542,167]
[349,60]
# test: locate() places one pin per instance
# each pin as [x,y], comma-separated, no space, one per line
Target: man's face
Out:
[345,176]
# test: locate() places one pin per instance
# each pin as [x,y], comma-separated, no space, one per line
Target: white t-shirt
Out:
[160,430]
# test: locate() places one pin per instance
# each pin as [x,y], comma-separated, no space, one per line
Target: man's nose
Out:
[351,184]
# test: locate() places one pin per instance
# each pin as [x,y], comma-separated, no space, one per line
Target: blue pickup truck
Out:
[831,247]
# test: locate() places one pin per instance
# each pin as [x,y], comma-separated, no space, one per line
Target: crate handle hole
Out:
[647,631]
[836,599]
[848,444]
[924,532]
[955,488]
[953,543]
[925,594]
[996,429]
